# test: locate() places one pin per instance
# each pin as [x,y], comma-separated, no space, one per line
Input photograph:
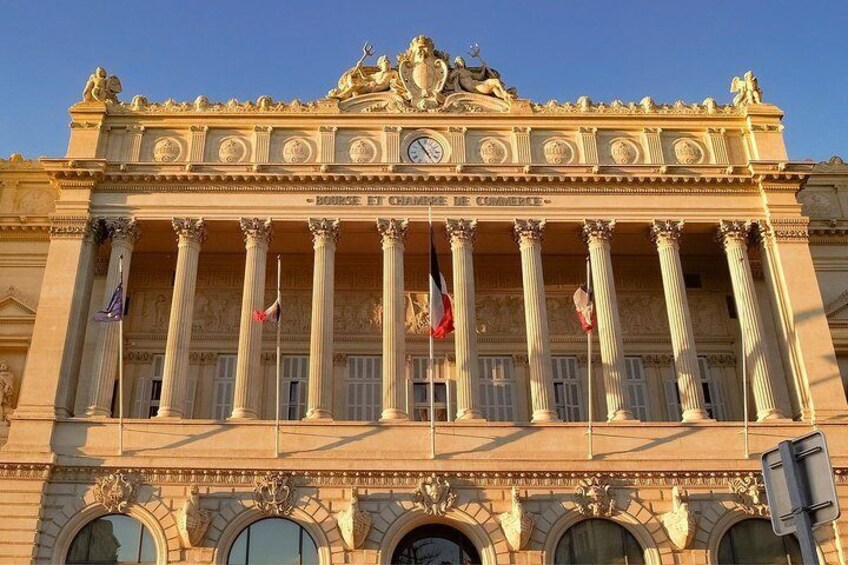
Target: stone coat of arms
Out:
[115,491]
[423,71]
[275,494]
[434,495]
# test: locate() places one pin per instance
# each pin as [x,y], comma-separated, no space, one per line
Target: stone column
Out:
[191,233]
[248,385]
[393,234]
[528,234]
[734,237]
[124,233]
[462,234]
[598,235]
[325,235]
[666,234]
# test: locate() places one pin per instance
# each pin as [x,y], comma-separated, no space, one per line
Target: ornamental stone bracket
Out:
[680,523]
[434,495]
[595,497]
[116,491]
[517,524]
[192,520]
[750,493]
[355,524]
[275,494]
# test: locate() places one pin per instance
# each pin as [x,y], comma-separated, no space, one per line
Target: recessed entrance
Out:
[435,544]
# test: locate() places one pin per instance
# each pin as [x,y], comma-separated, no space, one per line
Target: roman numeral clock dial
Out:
[425,150]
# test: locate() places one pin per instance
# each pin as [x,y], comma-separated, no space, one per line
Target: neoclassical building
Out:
[720,277]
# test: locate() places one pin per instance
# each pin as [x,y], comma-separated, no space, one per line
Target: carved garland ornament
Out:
[595,498]
[115,491]
[354,523]
[434,495]
[274,494]
[517,524]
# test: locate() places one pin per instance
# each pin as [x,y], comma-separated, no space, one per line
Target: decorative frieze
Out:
[434,495]
[116,491]
[275,493]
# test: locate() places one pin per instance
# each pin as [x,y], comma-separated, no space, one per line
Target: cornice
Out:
[25,232]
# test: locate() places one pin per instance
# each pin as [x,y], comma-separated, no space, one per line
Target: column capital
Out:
[190,229]
[733,232]
[392,230]
[598,230]
[531,231]
[122,229]
[461,230]
[666,232]
[256,230]
[324,229]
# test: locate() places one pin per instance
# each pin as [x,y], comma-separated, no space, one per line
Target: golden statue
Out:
[747,88]
[363,79]
[479,80]
[101,87]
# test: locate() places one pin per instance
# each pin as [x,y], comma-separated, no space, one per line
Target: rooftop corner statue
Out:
[423,77]
[102,87]
[747,90]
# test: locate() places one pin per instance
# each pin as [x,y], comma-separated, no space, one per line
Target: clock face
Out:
[425,150]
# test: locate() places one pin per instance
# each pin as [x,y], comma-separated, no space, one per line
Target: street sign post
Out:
[800,489]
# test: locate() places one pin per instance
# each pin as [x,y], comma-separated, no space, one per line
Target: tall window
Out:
[711,387]
[567,393]
[598,541]
[293,385]
[223,386]
[273,540]
[420,401]
[637,388]
[148,390]
[753,542]
[364,376]
[114,538]
[496,388]
[434,544]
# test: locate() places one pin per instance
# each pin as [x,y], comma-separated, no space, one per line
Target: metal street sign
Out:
[800,489]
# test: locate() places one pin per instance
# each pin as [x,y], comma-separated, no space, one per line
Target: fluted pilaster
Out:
[666,234]
[325,235]
[191,233]
[528,234]
[598,234]
[393,235]
[734,237]
[123,232]
[248,385]
[462,234]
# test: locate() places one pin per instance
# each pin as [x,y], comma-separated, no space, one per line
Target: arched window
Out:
[433,544]
[753,541]
[115,538]
[601,542]
[273,540]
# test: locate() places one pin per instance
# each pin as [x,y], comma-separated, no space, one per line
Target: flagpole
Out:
[432,385]
[121,360]
[589,349]
[279,325]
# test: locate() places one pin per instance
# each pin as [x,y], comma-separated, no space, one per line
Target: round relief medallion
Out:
[232,150]
[166,150]
[623,152]
[688,152]
[492,151]
[362,151]
[557,152]
[296,150]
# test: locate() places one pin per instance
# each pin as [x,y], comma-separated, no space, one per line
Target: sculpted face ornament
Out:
[595,498]
[434,495]
[115,491]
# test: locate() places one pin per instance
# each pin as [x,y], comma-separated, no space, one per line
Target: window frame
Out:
[566,372]
[637,381]
[223,386]
[497,407]
[364,381]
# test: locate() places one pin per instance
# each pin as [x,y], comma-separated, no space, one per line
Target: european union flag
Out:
[115,310]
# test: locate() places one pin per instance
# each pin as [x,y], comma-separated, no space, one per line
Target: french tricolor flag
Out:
[441,308]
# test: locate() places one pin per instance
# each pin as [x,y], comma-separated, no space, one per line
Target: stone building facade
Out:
[705,244]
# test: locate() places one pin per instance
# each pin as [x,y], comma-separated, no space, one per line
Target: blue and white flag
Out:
[114,312]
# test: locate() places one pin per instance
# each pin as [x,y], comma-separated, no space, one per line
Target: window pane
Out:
[113,539]
[273,541]
[601,542]
[753,541]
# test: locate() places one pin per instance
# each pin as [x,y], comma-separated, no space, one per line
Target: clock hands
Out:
[422,146]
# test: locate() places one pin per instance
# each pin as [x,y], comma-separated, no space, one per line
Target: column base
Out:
[696,415]
[243,414]
[169,413]
[97,412]
[317,414]
[544,416]
[621,415]
[392,414]
[469,415]
[770,414]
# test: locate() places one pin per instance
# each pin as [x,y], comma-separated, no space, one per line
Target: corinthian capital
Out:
[122,229]
[461,230]
[190,229]
[598,230]
[392,230]
[324,229]
[733,232]
[256,230]
[666,232]
[530,231]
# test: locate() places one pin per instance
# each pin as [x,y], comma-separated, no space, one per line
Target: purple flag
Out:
[114,312]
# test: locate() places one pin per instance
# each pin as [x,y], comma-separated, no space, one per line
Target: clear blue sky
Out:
[606,50]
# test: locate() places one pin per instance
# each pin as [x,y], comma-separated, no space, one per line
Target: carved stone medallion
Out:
[362,151]
[354,523]
[492,151]
[166,150]
[680,523]
[687,152]
[275,494]
[192,520]
[434,495]
[517,524]
[557,152]
[231,150]
[296,150]
[623,152]
[115,491]
[595,498]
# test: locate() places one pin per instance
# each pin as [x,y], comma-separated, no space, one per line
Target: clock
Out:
[425,150]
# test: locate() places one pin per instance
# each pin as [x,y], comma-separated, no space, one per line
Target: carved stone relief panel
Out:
[216,313]
[819,205]
[362,150]
[709,314]
[155,308]
[232,149]
[167,150]
[34,200]
[562,318]
[493,151]
[687,151]
[623,151]
[642,313]
[358,312]
[557,151]
[500,315]
[296,311]
[417,313]
[297,150]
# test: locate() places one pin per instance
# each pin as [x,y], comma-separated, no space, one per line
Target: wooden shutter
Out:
[568,397]
[636,387]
